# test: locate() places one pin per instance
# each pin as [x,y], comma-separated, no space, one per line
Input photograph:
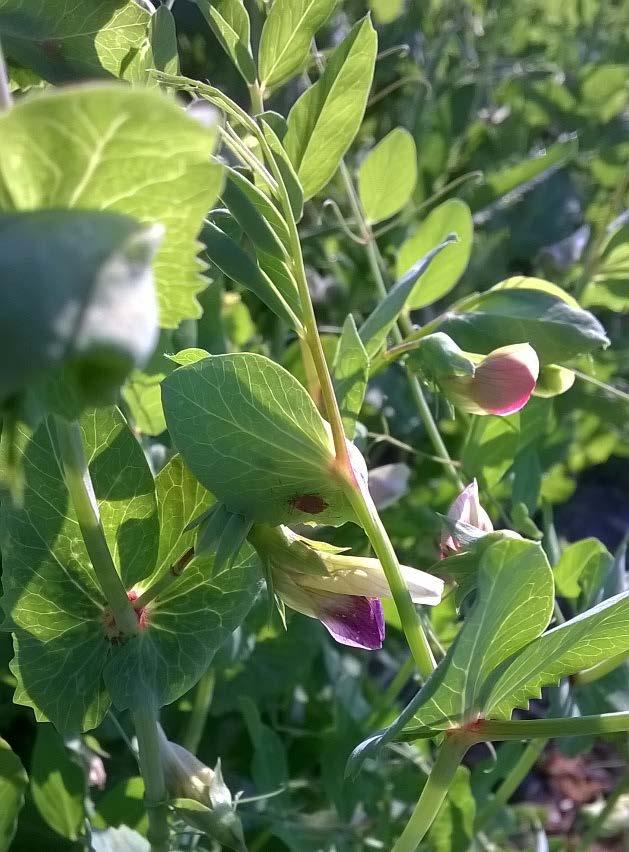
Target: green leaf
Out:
[91,137]
[582,570]
[163,55]
[248,214]
[286,38]
[351,372]
[265,207]
[556,329]
[180,499]
[373,332]
[387,176]
[513,606]
[584,641]
[142,390]
[241,268]
[78,285]
[63,44]
[608,288]
[188,621]
[248,431]
[491,448]
[13,783]
[57,784]
[453,216]
[229,21]
[123,803]
[438,355]
[324,121]
[604,90]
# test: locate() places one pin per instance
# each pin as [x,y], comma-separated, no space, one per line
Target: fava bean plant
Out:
[271,326]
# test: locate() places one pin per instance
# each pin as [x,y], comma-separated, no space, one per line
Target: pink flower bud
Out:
[466,509]
[502,382]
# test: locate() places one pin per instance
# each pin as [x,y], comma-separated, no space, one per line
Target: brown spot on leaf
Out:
[311,504]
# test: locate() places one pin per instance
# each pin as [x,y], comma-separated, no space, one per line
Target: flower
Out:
[502,383]
[343,592]
[465,510]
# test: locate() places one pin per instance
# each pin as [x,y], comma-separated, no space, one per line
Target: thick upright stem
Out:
[79,483]
[435,790]
[373,526]
[145,720]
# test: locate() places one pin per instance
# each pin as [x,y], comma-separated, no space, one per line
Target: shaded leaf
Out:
[582,570]
[351,371]
[57,784]
[13,783]
[161,175]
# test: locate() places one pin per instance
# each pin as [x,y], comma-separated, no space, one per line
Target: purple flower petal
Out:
[353,620]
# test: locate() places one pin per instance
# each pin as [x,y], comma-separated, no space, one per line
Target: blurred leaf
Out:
[386,11]
[490,450]
[350,371]
[123,804]
[78,285]
[249,431]
[556,330]
[604,89]
[229,21]
[582,569]
[609,287]
[387,176]
[324,121]
[13,783]
[453,216]
[269,765]
[286,38]
[57,784]
[161,175]
[63,44]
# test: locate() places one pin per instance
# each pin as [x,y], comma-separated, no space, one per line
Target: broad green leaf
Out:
[13,783]
[250,433]
[51,599]
[57,784]
[554,328]
[582,642]
[582,570]
[180,499]
[229,21]
[64,43]
[373,332]
[386,11]
[236,264]
[453,216]
[438,355]
[351,372]
[78,285]
[286,38]
[90,135]
[609,288]
[163,55]
[263,204]
[387,176]
[188,621]
[525,282]
[604,89]
[513,606]
[324,121]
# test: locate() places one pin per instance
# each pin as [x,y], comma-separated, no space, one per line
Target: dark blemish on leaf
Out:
[178,568]
[312,504]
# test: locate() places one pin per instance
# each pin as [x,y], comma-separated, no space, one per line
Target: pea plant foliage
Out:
[190,433]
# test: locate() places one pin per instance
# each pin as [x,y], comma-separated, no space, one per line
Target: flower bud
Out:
[502,382]
[465,511]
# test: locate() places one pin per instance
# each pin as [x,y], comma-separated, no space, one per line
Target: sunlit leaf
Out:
[387,175]
[229,21]
[351,371]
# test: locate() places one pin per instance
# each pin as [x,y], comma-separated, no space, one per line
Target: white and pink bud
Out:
[465,511]
[502,383]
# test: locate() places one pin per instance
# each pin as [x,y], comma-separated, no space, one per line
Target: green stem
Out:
[373,526]
[510,784]
[200,709]
[403,327]
[435,790]
[256,95]
[79,483]
[590,836]
[158,834]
